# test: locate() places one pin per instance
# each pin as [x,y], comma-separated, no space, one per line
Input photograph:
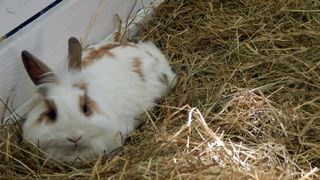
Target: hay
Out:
[247,105]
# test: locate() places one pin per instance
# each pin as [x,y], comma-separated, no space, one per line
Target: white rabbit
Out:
[91,108]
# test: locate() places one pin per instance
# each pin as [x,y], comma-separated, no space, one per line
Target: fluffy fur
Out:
[121,83]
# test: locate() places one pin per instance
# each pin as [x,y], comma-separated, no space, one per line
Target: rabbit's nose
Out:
[74,139]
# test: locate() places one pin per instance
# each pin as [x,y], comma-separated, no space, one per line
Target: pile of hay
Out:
[247,104]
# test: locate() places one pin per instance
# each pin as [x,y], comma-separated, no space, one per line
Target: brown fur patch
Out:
[81,85]
[137,67]
[94,54]
[86,105]
[50,115]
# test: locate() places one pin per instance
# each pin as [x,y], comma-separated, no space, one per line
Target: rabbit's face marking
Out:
[87,106]
[137,67]
[49,116]
[80,85]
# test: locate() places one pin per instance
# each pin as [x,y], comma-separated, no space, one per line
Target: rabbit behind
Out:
[91,108]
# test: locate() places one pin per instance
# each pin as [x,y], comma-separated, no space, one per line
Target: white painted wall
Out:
[15,12]
[47,39]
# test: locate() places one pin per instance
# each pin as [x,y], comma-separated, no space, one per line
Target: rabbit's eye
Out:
[52,114]
[86,110]
[85,105]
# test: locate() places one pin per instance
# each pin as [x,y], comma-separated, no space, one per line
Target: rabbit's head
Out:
[68,120]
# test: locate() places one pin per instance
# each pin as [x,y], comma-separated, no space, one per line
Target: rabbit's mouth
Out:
[67,148]
[74,148]
[72,153]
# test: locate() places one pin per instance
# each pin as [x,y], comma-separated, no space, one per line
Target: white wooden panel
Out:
[47,39]
[15,12]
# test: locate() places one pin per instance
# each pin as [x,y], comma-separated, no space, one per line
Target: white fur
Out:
[120,93]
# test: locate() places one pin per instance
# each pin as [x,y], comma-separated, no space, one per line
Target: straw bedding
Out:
[247,104]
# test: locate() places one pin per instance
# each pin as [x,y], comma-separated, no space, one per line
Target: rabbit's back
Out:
[130,77]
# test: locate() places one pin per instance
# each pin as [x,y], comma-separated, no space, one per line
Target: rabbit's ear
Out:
[38,71]
[75,51]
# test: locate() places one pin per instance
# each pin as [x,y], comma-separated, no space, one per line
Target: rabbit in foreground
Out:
[90,108]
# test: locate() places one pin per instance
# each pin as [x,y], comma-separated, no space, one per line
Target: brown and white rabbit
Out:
[90,108]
